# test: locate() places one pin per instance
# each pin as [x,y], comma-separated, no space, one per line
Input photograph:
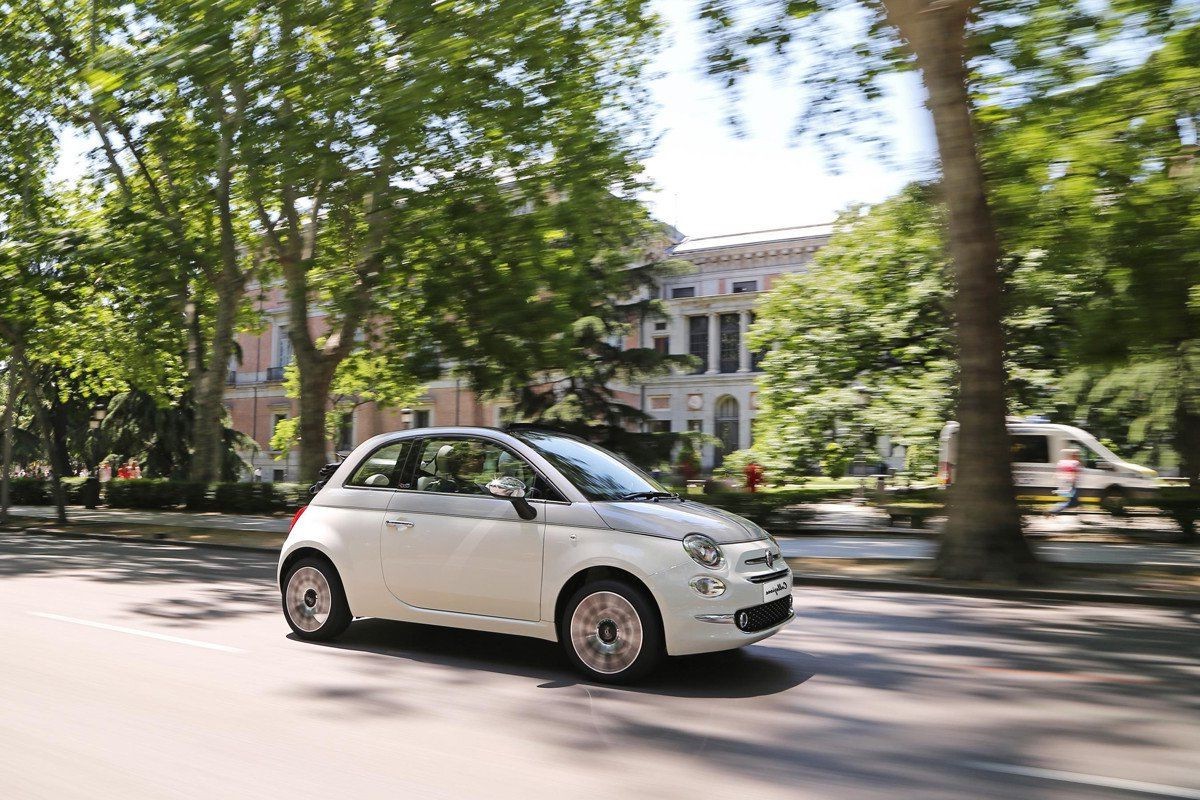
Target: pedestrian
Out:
[105,471]
[123,472]
[1068,480]
[754,476]
[135,470]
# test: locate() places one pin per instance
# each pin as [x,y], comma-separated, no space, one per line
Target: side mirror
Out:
[514,489]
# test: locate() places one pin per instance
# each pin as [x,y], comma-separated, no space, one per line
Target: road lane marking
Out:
[1162,790]
[135,632]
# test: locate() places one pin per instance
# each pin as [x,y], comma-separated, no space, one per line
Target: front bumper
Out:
[740,616]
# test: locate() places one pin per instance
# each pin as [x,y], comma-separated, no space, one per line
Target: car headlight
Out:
[703,550]
[708,585]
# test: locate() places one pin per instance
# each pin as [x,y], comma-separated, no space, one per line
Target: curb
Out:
[112,537]
[998,592]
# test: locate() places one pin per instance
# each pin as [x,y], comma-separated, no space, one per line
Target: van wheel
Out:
[1114,501]
[612,632]
[314,602]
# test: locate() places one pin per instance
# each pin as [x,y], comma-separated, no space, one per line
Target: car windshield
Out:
[596,472]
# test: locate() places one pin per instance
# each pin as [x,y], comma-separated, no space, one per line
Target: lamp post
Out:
[406,418]
[92,495]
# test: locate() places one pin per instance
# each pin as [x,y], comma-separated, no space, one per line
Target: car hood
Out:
[675,520]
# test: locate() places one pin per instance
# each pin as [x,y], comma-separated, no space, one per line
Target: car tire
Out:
[1114,500]
[612,632]
[314,602]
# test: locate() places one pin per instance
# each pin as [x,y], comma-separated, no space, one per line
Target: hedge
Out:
[760,507]
[232,498]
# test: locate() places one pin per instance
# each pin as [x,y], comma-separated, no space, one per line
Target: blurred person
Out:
[754,476]
[106,471]
[1068,480]
[135,469]
[123,472]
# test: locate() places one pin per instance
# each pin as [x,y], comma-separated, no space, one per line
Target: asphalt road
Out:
[139,670]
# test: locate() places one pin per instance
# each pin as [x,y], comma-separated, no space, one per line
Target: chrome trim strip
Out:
[721,618]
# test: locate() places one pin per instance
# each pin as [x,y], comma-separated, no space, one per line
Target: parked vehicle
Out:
[1036,448]
[534,533]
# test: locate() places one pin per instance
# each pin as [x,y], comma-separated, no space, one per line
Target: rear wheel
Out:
[1114,500]
[314,602]
[612,632]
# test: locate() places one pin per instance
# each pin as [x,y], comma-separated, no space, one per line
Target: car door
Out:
[448,545]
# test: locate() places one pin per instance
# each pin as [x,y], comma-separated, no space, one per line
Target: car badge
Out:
[770,559]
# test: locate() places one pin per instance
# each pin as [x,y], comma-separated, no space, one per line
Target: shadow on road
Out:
[752,672]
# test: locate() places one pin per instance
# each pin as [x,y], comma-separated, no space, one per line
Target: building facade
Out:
[709,309]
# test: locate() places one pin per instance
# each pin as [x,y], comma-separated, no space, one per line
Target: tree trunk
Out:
[1187,443]
[208,431]
[46,428]
[6,448]
[982,539]
[315,379]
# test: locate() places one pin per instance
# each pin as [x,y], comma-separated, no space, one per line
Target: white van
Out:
[1036,449]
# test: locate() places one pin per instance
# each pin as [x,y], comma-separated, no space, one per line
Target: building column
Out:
[677,332]
[743,349]
[714,343]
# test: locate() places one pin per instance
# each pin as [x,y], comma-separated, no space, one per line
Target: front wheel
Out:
[314,602]
[1114,501]
[612,632]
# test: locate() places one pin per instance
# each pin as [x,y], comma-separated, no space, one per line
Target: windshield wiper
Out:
[655,496]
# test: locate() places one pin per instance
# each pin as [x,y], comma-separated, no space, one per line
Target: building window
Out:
[660,326]
[745,286]
[662,345]
[695,426]
[283,347]
[420,418]
[279,475]
[276,419]
[725,426]
[698,341]
[660,426]
[756,356]
[731,341]
[683,291]
[345,432]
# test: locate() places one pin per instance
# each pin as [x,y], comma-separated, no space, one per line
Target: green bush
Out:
[145,493]
[293,495]
[246,498]
[29,492]
[763,507]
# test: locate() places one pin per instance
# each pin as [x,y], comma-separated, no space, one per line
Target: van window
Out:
[1030,449]
[1088,457]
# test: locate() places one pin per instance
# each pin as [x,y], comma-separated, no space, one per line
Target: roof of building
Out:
[773,236]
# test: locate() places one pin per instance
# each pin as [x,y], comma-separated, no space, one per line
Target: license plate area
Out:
[773,590]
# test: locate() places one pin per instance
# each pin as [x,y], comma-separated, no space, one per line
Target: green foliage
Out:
[145,493]
[834,460]
[29,492]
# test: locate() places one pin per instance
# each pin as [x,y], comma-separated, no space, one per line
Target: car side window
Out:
[466,465]
[381,469]
[1087,456]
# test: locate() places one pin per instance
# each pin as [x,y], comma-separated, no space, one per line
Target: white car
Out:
[535,533]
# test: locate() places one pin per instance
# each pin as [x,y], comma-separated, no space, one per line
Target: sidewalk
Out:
[174,519]
[902,548]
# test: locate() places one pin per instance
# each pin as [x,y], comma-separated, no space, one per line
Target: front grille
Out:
[763,559]
[770,576]
[768,615]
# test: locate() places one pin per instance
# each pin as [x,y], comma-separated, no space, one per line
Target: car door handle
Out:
[399,523]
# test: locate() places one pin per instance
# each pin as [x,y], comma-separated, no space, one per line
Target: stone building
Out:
[709,309]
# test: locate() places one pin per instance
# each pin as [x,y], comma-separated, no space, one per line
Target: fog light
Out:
[708,585]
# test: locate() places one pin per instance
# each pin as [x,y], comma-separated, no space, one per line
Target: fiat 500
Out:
[535,533]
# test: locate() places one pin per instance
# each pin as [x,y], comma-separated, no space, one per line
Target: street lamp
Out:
[406,418]
[92,499]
